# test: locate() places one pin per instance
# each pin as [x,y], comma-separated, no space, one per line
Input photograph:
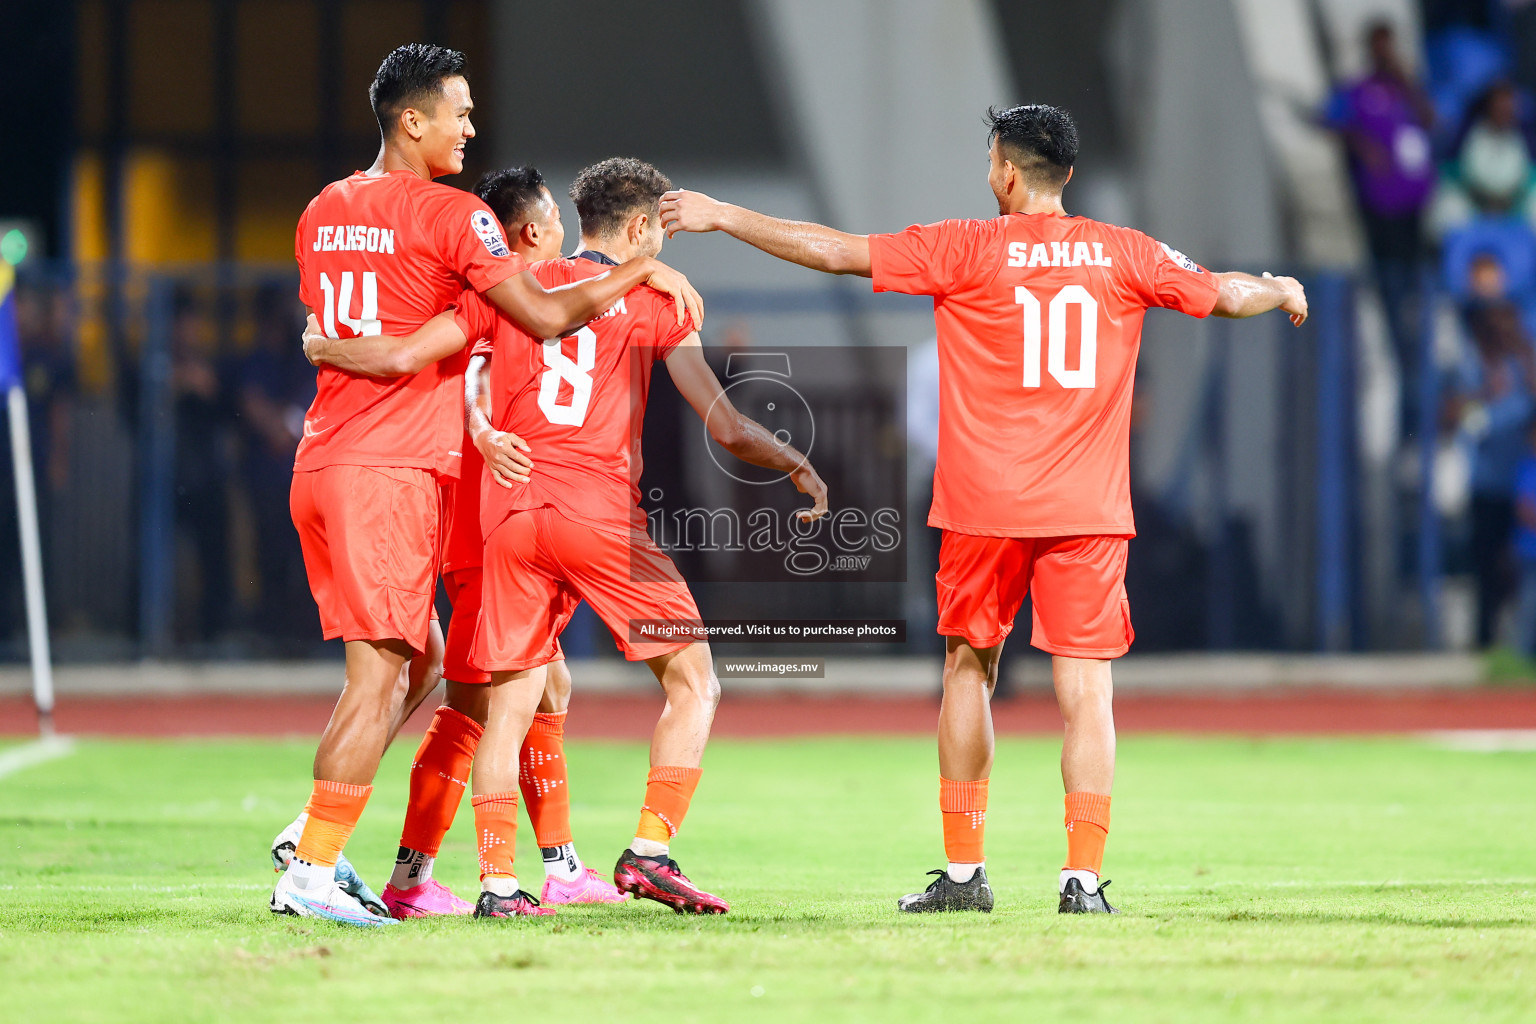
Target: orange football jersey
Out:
[383,254]
[578,401]
[1039,324]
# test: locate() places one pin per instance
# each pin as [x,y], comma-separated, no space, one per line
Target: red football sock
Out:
[964,806]
[438,777]
[333,809]
[668,791]
[1087,829]
[542,778]
[496,829]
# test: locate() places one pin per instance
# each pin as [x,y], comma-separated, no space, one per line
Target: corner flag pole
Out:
[26,505]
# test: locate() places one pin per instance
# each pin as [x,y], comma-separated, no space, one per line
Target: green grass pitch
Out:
[1282,879]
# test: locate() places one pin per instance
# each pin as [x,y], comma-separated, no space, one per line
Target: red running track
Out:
[632,717]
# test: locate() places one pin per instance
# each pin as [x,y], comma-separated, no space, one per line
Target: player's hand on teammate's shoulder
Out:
[1296,303]
[682,210]
[505,456]
[807,481]
[687,300]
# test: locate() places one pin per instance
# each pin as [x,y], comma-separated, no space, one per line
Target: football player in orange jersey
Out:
[1039,322]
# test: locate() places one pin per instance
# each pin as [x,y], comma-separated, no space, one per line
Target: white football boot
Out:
[328,902]
[346,875]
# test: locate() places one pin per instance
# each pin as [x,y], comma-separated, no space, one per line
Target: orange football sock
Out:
[668,791]
[438,777]
[542,778]
[496,827]
[964,806]
[1087,828]
[333,809]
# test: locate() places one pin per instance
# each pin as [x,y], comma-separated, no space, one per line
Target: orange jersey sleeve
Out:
[929,259]
[469,239]
[1165,278]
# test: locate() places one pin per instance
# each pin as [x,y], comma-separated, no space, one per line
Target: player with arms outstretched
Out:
[382,252]
[575,531]
[1039,323]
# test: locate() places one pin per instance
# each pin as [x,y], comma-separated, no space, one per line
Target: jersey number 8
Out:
[1056,337]
[577,373]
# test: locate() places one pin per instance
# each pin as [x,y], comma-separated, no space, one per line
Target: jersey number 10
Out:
[1056,336]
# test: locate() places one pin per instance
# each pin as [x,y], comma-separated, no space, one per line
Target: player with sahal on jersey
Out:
[1039,316]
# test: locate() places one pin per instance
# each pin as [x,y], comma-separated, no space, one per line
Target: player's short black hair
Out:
[411,76]
[511,193]
[1040,140]
[610,192]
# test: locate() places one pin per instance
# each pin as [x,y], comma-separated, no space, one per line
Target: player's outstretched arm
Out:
[810,245]
[1243,295]
[385,355]
[556,312]
[740,435]
[503,451]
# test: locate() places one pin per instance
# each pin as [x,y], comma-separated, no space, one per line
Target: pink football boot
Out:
[660,879]
[588,887]
[429,899]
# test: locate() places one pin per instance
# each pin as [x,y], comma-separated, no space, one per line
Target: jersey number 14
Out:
[1056,336]
[366,322]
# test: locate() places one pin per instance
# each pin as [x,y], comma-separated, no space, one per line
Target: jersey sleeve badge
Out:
[1179,259]
[489,231]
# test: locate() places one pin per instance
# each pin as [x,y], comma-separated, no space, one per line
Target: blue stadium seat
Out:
[1460,63]
[1509,239]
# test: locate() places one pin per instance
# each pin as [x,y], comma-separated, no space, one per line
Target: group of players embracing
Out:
[478,415]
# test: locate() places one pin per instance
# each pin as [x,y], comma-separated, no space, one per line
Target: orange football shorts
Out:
[370,539]
[539,566]
[464,594]
[1078,586]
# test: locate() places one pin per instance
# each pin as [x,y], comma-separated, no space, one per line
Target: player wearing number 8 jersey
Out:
[1038,317]
[573,530]
[385,250]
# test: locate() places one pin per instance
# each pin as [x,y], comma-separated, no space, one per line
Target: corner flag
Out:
[10,350]
[26,501]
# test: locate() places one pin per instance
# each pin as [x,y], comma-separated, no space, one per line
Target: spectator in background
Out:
[1386,119]
[202,416]
[1497,385]
[1525,542]
[274,386]
[1493,172]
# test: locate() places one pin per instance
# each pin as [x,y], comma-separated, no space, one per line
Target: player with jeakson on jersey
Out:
[1038,316]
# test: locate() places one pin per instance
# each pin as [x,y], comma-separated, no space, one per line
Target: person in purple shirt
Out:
[1385,119]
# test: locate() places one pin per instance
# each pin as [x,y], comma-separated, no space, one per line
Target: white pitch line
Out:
[1483,741]
[34,753]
